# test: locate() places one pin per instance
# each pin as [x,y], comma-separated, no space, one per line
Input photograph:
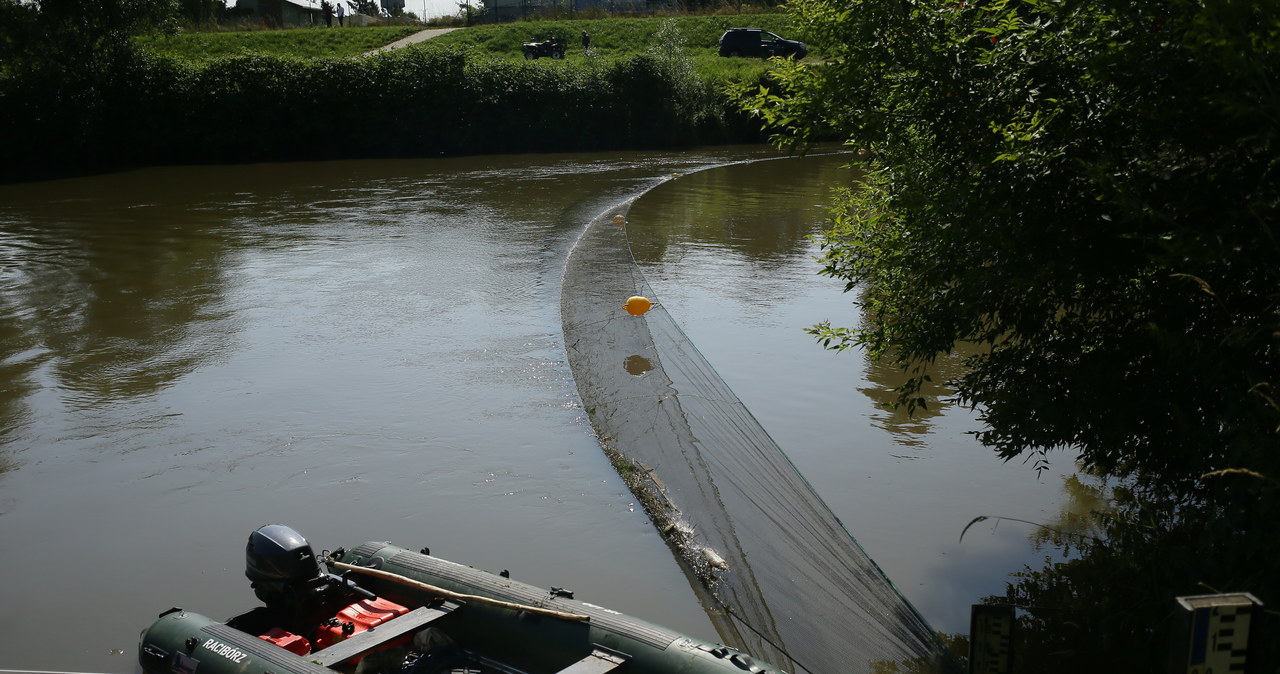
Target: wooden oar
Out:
[404,580]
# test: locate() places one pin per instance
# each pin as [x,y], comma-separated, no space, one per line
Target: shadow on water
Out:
[779,573]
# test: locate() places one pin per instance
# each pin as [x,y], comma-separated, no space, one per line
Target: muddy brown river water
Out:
[372,350]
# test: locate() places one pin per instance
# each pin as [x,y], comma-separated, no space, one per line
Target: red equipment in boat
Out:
[356,618]
[287,640]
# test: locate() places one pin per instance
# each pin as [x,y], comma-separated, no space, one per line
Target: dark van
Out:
[759,43]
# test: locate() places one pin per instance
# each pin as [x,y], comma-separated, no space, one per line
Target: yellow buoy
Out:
[637,305]
[619,220]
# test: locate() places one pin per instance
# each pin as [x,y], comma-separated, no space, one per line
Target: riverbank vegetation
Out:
[613,36]
[1086,195]
[610,38]
[81,92]
[200,47]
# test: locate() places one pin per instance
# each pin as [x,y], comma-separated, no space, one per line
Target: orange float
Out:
[637,305]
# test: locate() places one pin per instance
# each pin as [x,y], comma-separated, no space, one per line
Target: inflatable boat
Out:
[382,609]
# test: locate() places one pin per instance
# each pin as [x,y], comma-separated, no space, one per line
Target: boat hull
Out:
[525,628]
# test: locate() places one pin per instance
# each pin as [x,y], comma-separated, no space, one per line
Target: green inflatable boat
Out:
[381,609]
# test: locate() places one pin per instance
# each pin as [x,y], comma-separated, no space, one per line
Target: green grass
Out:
[611,38]
[292,42]
[618,38]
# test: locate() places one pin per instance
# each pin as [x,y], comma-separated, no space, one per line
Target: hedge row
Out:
[142,109]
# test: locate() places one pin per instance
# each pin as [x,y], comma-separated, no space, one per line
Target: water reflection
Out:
[909,428]
[1086,501]
[109,311]
[904,486]
[19,361]
[795,588]
[372,349]
[637,365]
[746,209]
[359,349]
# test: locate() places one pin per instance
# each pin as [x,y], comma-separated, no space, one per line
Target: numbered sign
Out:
[991,639]
[1212,634]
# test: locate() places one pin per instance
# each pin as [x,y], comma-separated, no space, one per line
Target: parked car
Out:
[553,47]
[760,44]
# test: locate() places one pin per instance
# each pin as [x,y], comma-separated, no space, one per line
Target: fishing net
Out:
[780,576]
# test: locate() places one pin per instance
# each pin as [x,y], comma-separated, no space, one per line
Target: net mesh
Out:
[781,577]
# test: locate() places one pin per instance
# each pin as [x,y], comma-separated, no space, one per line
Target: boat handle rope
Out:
[405,580]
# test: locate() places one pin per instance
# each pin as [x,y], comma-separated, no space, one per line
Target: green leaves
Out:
[1088,191]
[142,108]
[1030,191]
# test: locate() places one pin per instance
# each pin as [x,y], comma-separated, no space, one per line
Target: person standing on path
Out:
[328,13]
[586,41]
[341,12]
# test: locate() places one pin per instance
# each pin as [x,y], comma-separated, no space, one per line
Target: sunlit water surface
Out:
[732,255]
[373,351]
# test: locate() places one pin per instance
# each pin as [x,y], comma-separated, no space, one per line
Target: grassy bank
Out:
[299,94]
[615,36]
[611,38]
[296,43]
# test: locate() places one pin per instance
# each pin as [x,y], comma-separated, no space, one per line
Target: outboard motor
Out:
[281,566]
[286,576]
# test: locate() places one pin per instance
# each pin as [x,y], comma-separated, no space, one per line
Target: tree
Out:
[63,64]
[201,11]
[1087,192]
[74,38]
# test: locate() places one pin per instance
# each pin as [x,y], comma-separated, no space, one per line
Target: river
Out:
[372,350]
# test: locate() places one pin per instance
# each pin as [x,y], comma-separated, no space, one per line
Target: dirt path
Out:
[412,39]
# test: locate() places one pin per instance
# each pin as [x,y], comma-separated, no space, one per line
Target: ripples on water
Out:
[372,350]
[362,350]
